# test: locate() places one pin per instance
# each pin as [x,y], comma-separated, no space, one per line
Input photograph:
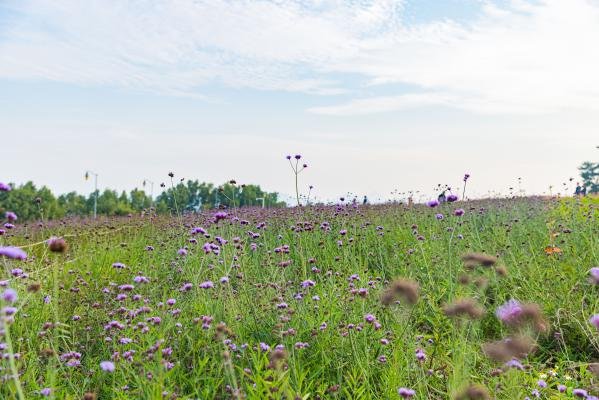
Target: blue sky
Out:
[377,95]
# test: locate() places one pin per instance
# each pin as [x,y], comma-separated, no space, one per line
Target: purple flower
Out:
[182,252]
[298,156]
[595,320]
[263,346]
[406,393]
[308,283]
[9,310]
[220,215]
[595,275]
[579,392]
[141,279]
[11,216]
[107,366]
[13,252]
[509,312]
[369,318]
[118,265]
[288,157]
[206,285]
[561,388]
[513,363]
[46,392]
[432,203]
[466,176]
[451,198]
[9,295]
[4,187]
[439,216]
[459,212]
[542,383]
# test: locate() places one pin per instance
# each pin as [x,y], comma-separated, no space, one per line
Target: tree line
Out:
[32,202]
[589,172]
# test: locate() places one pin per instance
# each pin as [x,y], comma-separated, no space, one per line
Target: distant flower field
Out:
[461,300]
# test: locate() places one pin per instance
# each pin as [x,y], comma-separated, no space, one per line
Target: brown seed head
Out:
[509,348]
[474,392]
[464,308]
[472,260]
[401,288]
[57,245]
[34,287]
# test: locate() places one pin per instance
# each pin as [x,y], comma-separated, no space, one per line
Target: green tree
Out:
[73,204]
[589,172]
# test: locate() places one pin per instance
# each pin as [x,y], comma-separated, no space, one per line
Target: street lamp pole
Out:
[261,198]
[87,173]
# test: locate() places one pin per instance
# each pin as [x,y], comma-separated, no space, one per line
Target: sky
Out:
[379,97]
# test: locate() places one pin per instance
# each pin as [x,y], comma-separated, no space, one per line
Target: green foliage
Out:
[361,362]
[194,196]
[32,203]
[589,172]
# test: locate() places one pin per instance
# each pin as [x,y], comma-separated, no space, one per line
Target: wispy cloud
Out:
[526,57]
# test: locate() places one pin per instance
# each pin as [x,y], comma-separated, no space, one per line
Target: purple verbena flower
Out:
[12,252]
[509,311]
[107,366]
[406,393]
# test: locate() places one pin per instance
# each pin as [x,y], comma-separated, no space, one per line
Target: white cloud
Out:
[523,58]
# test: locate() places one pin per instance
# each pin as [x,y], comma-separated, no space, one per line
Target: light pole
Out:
[87,174]
[261,198]
[151,189]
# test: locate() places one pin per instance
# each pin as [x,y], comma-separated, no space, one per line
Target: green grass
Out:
[339,362]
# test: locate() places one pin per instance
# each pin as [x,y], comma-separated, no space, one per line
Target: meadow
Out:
[465,300]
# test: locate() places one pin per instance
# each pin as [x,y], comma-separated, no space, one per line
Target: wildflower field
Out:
[466,300]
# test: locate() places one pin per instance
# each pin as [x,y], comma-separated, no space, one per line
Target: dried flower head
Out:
[57,244]
[472,260]
[401,288]
[464,308]
[509,348]
[474,392]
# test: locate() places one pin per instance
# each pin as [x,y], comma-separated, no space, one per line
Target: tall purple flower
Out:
[432,203]
[107,366]
[406,393]
[466,176]
[15,253]
[9,295]
[4,187]
[595,275]
[510,311]
[595,320]
[451,198]
[11,216]
[220,215]
[459,212]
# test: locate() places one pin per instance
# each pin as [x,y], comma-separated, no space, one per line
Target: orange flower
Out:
[552,250]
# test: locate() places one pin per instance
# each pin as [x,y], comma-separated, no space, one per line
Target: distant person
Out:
[578,190]
[442,198]
[365,200]
[583,191]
